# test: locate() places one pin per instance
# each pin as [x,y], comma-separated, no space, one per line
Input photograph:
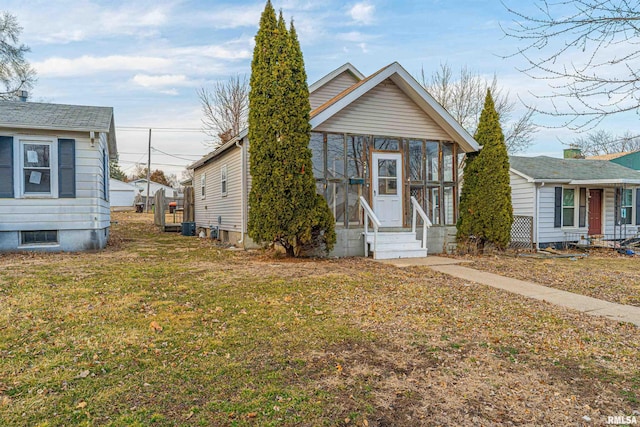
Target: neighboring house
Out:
[629,159]
[571,199]
[141,184]
[121,194]
[382,137]
[54,176]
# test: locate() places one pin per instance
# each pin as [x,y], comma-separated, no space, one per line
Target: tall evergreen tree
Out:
[486,213]
[114,170]
[283,205]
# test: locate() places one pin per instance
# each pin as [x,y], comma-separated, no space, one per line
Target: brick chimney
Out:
[573,152]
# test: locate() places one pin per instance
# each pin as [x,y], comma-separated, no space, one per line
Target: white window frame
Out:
[631,217]
[19,184]
[224,183]
[203,186]
[576,207]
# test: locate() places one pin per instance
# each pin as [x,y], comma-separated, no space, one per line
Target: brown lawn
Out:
[161,329]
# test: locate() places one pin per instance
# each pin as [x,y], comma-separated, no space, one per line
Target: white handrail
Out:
[370,215]
[425,221]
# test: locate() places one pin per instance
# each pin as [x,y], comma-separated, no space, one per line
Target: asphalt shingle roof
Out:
[551,168]
[35,115]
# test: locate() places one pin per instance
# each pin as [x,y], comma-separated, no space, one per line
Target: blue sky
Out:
[147,58]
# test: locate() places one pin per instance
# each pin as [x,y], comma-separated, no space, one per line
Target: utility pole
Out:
[149,172]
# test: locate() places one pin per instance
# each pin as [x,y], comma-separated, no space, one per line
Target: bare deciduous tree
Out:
[15,72]
[225,108]
[588,52]
[463,96]
[603,142]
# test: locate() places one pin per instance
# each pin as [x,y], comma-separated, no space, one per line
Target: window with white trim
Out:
[626,206]
[203,182]
[37,165]
[223,180]
[568,207]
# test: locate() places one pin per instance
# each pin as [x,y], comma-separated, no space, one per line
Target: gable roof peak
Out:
[410,86]
[348,67]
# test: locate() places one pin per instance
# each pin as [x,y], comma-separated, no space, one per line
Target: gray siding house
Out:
[571,200]
[379,144]
[54,176]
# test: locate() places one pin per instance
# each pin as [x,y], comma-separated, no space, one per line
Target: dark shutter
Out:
[557,212]
[67,168]
[638,206]
[6,166]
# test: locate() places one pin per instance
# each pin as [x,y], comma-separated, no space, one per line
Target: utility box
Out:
[188,228]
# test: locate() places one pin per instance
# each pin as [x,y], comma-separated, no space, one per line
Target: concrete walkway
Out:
[592,306]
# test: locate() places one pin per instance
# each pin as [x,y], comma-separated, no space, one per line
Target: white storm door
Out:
[387,188]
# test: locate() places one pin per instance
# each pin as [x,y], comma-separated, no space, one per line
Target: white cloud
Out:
[160,81]
[235,17]
[362,13]
[354,36]
[363,46]
[88,64]
[215,51]
[85,20]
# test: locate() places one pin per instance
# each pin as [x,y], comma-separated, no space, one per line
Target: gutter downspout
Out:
[242,191]
[537,218]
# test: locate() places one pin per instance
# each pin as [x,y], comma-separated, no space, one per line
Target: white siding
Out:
[332,88]
[523,195]
[385,110]
[546,211]
[214,205]
[88,210]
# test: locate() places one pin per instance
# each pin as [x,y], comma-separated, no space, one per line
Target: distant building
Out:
[141,184]
[629,159]
[121,194]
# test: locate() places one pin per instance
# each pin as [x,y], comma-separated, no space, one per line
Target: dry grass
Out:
[602,274]
[249,339]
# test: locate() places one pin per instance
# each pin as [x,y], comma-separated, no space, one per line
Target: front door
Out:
[387,188]
[595,212]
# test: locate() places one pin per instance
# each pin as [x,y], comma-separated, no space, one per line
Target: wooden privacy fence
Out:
[522,232]
[189,213]
[158,209]
[171,218]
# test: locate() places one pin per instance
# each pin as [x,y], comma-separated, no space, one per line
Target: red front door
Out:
[595,212]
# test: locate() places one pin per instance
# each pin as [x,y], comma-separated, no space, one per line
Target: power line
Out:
[171,155]
[162,129]
[168,154]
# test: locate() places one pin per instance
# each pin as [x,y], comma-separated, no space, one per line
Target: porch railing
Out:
[369,215]
[425,221]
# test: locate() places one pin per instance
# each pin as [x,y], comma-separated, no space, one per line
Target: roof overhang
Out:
[413,90]
[109,131]
[218,151]
[335,73]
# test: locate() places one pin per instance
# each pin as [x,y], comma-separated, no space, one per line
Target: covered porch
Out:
[401,181]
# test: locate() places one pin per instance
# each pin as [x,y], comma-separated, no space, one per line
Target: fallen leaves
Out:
[155,326]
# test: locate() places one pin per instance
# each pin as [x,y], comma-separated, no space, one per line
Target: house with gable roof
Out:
[385,157]
[54,176]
